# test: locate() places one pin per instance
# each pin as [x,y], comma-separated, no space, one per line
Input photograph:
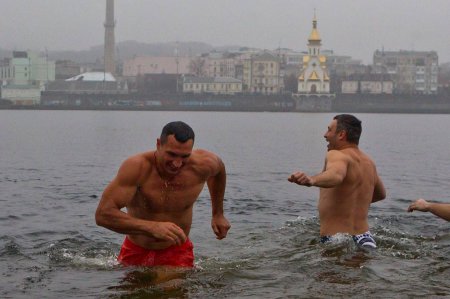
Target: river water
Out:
[54,166]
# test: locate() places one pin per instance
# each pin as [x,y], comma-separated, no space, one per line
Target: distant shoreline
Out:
[351,103]
[212,109]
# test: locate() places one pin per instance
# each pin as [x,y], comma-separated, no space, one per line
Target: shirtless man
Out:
[349,183]
[441,210]
[158,189]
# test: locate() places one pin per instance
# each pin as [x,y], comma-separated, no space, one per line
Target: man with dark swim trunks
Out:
[158,189]
[349,183]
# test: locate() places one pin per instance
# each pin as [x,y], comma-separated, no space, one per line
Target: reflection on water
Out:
[158,282]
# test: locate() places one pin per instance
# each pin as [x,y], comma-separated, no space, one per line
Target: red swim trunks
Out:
[135,255]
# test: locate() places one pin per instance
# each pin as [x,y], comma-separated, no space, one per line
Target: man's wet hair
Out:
[349,124]
[181,131]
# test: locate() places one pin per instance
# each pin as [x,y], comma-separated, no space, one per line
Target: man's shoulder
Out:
[203,154]
[358,157]
[137,164]
[206,161]
[140,158]
[337,155]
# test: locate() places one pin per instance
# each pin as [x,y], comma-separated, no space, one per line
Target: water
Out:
[54,166]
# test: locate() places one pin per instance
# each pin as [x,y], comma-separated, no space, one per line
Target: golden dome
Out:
[314,36]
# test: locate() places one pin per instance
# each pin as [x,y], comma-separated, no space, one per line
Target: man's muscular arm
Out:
[118,195]
[216,185]
[379,192]
[334,172]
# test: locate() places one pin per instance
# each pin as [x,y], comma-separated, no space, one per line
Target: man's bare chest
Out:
[168,196]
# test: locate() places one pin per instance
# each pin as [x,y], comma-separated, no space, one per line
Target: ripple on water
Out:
[8,247]
[84,253]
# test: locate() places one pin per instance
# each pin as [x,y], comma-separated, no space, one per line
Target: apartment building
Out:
[262,74]
[222,64]
[142,65]
[413,72]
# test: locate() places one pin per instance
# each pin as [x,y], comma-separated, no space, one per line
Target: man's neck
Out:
[347,145]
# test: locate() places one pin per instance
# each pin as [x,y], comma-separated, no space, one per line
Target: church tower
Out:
[314,78]
[109,57]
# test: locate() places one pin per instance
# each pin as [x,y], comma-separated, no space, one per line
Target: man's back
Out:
[344,208]
[348,184]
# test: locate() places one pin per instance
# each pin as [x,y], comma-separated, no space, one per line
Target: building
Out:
[89,83]
[368,84]
[222,64]
[26,66]
[87,89]
[149,84]
[217,85]
[262,74]
[24,76]
[413,72]
[314,77]
[141,65]
[65,69]
[21,95]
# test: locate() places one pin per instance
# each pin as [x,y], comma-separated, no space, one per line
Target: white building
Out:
[368,84]
[314,77]
[217,85]
[24,76]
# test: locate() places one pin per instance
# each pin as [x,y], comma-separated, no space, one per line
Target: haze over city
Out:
[348,27]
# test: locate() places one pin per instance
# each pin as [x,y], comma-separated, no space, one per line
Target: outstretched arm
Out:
[334,172]
[118,194]
[441,210]
[216,185]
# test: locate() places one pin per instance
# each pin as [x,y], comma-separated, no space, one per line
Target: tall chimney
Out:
[109,59]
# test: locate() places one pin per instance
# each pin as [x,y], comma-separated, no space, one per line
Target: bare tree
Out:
[197,67]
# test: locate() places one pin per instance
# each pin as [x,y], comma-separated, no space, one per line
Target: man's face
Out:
[174,154]
[331,136]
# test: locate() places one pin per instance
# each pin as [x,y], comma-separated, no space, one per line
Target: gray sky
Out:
[349,27]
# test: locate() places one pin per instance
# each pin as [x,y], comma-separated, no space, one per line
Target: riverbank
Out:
[352,103]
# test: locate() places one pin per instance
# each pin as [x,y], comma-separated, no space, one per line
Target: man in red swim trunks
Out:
[158,189]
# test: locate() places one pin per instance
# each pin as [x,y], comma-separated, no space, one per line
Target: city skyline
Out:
[347,27]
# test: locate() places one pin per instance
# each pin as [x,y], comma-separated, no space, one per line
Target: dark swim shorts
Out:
[365,240]
[177,256]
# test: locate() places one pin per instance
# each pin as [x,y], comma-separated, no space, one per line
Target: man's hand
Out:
[168,231]
[419,205]
[220,226]
[301,178]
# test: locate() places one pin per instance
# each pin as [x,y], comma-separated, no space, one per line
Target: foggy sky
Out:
[348,27]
